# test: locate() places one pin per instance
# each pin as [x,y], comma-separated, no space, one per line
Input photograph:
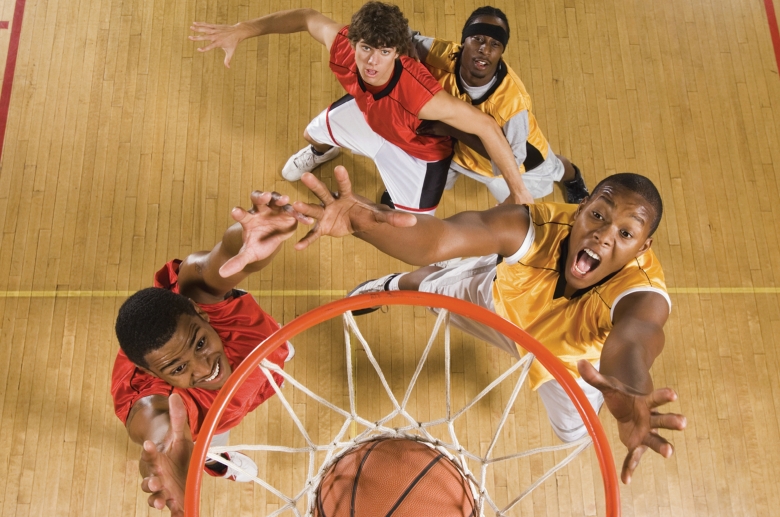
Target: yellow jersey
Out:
[529,286]
[503,101]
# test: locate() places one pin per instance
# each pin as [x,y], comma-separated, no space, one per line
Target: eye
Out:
[365,48]
[179,369]
[200,344]
[597,215]
[495,44]
[625,234]
[385,52]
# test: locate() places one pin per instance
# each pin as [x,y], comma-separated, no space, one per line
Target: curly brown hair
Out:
[381,25]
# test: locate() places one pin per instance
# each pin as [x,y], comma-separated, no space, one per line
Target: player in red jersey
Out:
[182,338]
[389,95]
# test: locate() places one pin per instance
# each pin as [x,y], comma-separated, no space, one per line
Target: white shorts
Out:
[414,185]
[539,180]
[472,280]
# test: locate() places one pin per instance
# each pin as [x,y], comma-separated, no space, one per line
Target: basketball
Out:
[395,477]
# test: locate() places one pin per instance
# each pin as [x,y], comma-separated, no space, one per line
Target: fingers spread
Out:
[659,444]
[342,179]
[592,376]
[309,210]
[661,396]
[233,266]
[631,463]
[308,239]
[396,218]
[317,187]
[668,421]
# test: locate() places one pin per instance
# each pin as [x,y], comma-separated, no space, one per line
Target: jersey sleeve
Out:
[516,131]
[421,45]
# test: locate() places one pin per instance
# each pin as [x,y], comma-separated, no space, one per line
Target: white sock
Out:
[392,284]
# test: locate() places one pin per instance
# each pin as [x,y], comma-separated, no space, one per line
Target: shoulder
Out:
[442,54]
[548,224]
[417,76]
[641,279]
[341,50]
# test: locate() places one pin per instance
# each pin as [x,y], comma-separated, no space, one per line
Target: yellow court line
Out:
[338,293]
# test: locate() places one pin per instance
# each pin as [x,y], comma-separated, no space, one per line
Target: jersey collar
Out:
[397,70]
[500,75]
[560,286]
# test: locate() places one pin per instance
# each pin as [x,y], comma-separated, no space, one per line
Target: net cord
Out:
[373,430]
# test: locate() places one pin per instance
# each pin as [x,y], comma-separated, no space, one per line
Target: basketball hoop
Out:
[399,422]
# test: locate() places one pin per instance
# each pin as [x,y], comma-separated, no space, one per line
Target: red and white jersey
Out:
[241,325]
[392,113]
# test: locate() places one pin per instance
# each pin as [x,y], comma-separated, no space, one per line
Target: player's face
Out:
[609,231]
[481,55]
[375,65]
[192,358]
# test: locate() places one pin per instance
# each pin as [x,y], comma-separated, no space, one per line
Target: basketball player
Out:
[389,94]
[581,279]
[475,72]
[181,339]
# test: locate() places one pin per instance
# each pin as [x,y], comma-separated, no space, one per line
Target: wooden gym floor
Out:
[124,147]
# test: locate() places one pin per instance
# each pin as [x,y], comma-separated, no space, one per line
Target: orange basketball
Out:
[397,477]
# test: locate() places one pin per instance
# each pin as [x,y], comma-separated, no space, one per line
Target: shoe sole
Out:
[368,310]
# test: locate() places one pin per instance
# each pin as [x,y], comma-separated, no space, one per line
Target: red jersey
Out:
[241,325]
[392,113]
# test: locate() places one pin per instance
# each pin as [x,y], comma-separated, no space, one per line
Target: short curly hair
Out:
[381,25]
[640,185]
[147,320]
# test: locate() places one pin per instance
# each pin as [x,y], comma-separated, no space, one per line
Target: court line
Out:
[771,17]
[10,68]
[341,293]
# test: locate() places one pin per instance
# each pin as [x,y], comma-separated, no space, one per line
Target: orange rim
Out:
[339,307]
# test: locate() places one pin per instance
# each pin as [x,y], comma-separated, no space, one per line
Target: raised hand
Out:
[637,417]
[270,222]
[164,468]
[343,213]
[226,37]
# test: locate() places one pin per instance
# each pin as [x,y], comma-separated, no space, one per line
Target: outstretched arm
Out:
[160,426]
[636,339]
[227,37]
[415,239]
[246,247]
[465,117]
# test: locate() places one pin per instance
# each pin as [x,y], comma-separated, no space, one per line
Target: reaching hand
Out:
[344,213]
[226,37]
[270,222]
[164,468]
[638,420]
[523,197]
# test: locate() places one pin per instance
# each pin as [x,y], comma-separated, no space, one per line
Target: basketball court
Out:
[123,147]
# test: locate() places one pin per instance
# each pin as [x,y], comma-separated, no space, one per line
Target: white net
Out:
[318,453]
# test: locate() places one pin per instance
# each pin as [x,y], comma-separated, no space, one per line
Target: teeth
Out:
[214,375]
[592,254]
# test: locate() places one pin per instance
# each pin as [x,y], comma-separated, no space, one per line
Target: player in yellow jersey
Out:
[581,279]
[475,72]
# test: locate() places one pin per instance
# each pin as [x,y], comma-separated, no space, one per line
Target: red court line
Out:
[10,67]
[773,31]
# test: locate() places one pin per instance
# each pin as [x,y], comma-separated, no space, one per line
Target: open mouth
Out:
[587,260]
[213,375]
[481,64]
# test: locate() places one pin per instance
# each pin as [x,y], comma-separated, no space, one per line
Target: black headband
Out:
[496,32]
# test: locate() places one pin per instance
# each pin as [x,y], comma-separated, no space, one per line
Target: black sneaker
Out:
[386,199]
[576,190]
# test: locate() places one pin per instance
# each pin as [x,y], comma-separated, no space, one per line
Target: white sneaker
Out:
[243,461]
[305,161]
[370,286]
